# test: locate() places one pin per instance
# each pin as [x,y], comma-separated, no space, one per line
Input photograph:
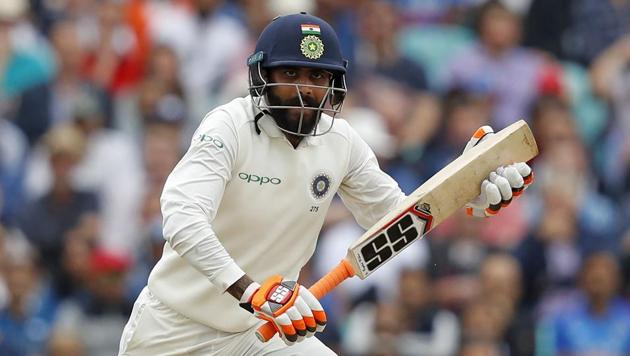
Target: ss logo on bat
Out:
[394,239]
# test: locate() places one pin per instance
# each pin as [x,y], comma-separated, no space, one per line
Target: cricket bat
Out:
[424,209]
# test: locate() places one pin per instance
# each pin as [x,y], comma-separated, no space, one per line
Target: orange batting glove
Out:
[501,185]
[293,309]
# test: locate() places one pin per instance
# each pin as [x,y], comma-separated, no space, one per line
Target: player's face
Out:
[309,85]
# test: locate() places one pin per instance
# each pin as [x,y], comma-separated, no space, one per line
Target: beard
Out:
[289,119]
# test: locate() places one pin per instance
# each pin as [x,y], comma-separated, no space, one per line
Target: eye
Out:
[317,75]
[290,73]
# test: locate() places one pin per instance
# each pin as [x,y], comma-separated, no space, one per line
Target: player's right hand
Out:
[292,308]
[501,185]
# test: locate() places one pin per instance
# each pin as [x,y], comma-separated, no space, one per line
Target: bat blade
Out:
[439,197]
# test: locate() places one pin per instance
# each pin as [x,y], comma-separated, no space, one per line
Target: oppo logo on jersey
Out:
[252,178]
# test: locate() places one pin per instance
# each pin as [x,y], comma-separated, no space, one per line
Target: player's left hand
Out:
[499,188]
[291,307]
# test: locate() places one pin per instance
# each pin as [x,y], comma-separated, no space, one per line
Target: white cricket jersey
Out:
[246,202]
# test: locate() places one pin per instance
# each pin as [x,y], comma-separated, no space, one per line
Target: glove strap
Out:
[246,299]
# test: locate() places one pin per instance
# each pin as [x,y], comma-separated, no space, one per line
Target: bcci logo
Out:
[320,185]
[312,47]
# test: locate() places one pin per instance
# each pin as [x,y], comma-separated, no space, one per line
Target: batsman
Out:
[243,208]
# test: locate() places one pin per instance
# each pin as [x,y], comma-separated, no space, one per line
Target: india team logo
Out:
[320,185]
[312,47]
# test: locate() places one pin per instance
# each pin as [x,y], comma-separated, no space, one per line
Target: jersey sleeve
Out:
[192,194]
[366,190]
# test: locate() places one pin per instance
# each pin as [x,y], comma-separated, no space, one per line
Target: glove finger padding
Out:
[504,188]
[514,178]
[298,322]
[285,328]
[493,196]
[318,311]
[307,315]
[487,203]
[526,172]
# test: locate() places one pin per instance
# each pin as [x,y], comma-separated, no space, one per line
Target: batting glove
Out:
[292,308]
[501,186]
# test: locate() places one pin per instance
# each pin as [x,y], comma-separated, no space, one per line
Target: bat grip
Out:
[327,283]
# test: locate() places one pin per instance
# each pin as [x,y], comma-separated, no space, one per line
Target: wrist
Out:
[238,288]
[245,301]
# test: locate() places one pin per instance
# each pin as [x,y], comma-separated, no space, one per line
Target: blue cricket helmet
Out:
[298,40]
[280,44]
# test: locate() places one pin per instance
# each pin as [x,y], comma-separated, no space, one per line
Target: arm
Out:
[367,191]
[191,197]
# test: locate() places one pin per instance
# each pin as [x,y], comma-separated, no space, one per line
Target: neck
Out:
[18,307]
[599,306]
[68,75]
[497,51]
[293,139]
[62,191]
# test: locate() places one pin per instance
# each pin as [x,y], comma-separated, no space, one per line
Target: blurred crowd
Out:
[99,98]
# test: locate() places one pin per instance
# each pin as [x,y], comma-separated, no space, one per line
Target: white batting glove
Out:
[293,309]
[501,186]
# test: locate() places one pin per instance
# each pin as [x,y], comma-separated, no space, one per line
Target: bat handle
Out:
[327,283]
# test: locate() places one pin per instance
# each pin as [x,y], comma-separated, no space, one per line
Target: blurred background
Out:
[99,98]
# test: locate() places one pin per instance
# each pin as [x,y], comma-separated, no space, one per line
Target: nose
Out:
[305,86]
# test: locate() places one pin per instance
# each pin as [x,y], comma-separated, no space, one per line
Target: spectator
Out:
[65,342]
[595,25]
[485,320]
[461,112]
[208,40]
[115,50]
[158,99]
[75,265]
[64,207]
[412,325]
[552,123]
[546,26]
[25,60]
[385,79]
[111,167]
[26,321]
[457,253]
[500,280]
[610,74]
[497,66]
[52,103]
[99,317]
[598,322]
[379,50]
[429,329]
[564,230]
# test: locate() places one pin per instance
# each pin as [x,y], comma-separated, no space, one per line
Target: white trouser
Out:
[155,329]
